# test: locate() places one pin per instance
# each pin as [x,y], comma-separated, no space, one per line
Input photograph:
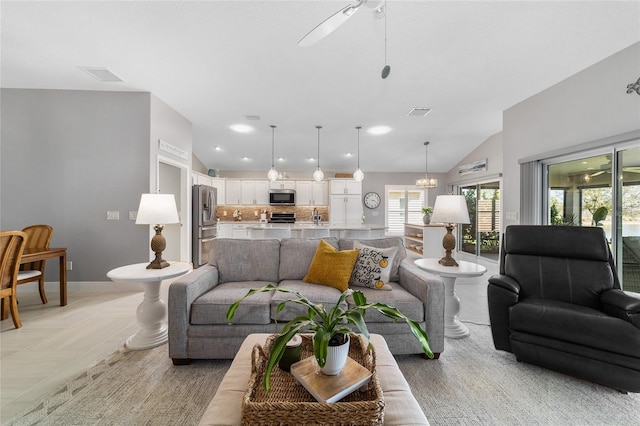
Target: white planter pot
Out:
[336,359]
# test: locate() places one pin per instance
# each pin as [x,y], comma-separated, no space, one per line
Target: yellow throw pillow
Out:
[331,267]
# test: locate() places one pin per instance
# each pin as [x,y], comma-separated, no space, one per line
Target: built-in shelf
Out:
[425,240]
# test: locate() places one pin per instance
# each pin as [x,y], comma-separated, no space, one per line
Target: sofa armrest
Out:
[620,304]
[430,290]
[182,293]
[502,293]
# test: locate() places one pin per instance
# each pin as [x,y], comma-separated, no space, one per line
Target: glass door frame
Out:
[613,151]
[457,189]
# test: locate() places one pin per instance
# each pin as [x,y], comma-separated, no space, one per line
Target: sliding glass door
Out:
[601,190]
[481,236]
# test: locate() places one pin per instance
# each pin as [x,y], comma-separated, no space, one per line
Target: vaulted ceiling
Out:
[221,63]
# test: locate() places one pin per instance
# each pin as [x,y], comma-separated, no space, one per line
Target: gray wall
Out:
[67,157]
[586,107]
[491,149]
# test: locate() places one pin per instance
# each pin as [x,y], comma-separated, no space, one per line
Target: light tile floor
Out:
[56,344]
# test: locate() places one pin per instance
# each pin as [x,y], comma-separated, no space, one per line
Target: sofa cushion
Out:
[399,298]
[296,255]
[326,295]
[212,307]
[245,260]
[401,254]
[331,267]
[373,267]
[575,324]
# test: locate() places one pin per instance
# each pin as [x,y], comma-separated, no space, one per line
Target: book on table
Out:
[326,388]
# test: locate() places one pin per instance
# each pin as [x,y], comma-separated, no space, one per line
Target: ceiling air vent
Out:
[419,112]
[102,74]
[252,117]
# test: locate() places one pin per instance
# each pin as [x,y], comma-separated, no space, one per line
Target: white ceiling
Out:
[216,62]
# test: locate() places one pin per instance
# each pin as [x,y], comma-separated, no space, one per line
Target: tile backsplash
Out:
[252,213]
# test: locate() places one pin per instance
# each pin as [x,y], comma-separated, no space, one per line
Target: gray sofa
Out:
[198,302]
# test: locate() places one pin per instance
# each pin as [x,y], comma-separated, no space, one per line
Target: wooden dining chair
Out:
[38,236]
[12,244]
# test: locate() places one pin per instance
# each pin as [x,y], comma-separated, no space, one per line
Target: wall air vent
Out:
[102,74]
[419,112]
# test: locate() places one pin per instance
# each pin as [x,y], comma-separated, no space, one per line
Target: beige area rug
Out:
[471,384]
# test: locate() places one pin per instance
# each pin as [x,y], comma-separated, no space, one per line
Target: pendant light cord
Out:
[318,127]
[359,127]
[273,129]
[385,32]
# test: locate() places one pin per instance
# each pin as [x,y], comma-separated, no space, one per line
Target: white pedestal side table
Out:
[152,312]
[453,328]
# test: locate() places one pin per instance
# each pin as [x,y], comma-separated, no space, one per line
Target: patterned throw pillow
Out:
[331,267]
[373,267]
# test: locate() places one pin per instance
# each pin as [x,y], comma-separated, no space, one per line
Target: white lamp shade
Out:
[450,209]
[157,209]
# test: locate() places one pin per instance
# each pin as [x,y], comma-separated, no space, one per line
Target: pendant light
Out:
[426,181]
[358,176]
[318,175]
[273,173]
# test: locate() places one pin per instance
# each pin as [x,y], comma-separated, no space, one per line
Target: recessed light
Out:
[280,158]
[241,128]
[379,130]
[419,112]
[245,158]
[348,155]
[217,148]
[311,159]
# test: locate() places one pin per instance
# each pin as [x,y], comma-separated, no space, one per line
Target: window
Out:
[601,189]
[404,205]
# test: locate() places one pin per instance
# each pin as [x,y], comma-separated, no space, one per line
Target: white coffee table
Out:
[453,328]
[152,311]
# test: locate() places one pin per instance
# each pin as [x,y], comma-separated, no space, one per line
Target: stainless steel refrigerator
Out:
[204,222]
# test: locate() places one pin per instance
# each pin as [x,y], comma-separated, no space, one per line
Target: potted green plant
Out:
[426,211]
[326,323]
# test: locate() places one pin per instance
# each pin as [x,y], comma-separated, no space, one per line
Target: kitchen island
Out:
[256,230]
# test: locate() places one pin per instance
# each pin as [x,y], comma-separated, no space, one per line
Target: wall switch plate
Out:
[512,215]
[69,265]
[113,215]
[133,215]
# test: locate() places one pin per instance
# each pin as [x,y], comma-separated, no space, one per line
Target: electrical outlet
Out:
[511,216]
[113,215]
[133,215]
[69,265]
[375,214]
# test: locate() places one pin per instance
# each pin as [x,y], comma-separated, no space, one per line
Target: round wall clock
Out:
[371,200]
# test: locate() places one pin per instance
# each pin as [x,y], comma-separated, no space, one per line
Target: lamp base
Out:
[158,244]
[448,243]
[158,263]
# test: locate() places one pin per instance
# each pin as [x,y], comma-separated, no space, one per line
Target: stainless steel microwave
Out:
[282,197]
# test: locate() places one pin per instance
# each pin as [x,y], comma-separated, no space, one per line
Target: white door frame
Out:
[185,202]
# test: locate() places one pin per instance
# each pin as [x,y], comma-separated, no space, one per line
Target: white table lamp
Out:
[157,210]
[450,209]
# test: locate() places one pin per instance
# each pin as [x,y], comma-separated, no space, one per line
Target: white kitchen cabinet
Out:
[254,192]
[233,191]
[345,209]
[345,186]
[311,193]
[225,230]
[283,184]
[240,230]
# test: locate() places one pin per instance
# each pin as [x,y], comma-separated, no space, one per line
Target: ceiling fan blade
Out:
[329,25]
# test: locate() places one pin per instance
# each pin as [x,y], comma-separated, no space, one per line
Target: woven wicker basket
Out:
[289,403]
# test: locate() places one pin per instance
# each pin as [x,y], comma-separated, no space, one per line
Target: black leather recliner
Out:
[557,303]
